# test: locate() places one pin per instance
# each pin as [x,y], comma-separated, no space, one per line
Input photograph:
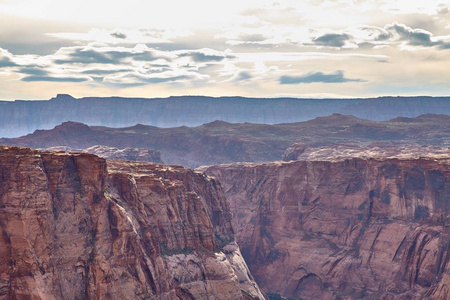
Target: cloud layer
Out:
[313,48]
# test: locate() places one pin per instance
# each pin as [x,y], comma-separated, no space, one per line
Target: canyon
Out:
[74,226]
[22,117]
[343,228]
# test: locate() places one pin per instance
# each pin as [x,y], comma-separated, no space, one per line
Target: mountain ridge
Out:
[21,117]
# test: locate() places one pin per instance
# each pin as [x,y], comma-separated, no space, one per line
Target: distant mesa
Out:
[18,118]
[62,97]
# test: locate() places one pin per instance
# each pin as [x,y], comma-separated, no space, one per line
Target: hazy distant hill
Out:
[22,117]
[221,142]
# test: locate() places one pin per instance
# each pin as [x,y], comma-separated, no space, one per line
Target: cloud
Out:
[6,62]
[253,37]
[332,40]
[314,77]
[33,71]
[55,79]
[118,35]
[205,55]
[86,56]
[414,37]
[105,72]
[6,59]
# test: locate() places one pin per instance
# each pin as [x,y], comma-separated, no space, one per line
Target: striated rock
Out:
[75,227]
[380,150]
[344,228]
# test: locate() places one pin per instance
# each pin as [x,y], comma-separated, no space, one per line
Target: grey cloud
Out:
[414,37]
[119,35]
[203,57]
[86,57]
[54,79]
[148,56]
[332,40]
[92,56]
[33,71]
[243,75]
[105,72]
[119,55]
[6,62]
[336,77]
[376,33]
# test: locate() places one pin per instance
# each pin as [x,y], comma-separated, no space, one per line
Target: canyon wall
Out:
[75,227]
[20,117]
[343,229]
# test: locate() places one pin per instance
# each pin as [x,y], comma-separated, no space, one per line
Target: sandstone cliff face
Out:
[344,229]
[73,227]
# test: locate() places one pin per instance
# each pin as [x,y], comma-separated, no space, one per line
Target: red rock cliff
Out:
[74,228]
[343,229]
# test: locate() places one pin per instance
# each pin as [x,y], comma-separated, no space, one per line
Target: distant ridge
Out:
[21,117]
[222,142]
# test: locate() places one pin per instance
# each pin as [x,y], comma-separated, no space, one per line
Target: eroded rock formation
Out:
[73,227]
[343,229]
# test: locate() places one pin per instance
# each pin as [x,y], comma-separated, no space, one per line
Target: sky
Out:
[303,48]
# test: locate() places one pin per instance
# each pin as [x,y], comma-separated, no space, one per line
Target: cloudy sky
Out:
[303,48]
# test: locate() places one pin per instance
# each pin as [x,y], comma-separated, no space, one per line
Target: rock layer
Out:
[73,227]
[128,153]
[344,229]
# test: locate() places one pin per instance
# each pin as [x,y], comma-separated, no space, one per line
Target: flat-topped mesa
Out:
[62,97]
[345,228]
[18,118]
[75,226]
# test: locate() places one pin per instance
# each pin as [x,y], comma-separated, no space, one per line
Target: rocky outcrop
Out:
[128,153]
[76,227]
[344,228]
